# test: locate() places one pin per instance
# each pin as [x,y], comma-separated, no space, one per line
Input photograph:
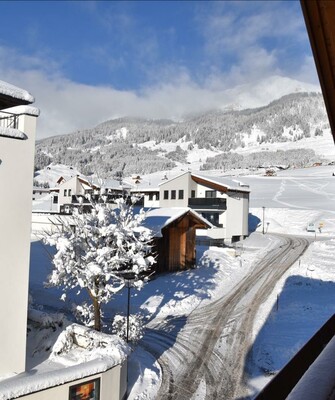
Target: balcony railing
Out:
[216,203]
[8,120]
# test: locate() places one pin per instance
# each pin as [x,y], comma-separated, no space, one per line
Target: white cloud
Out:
[254,40]
[67,105]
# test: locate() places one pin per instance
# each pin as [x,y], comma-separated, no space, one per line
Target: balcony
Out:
[9,120]
[207,203]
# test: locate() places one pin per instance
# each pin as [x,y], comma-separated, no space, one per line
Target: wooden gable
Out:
[176,249]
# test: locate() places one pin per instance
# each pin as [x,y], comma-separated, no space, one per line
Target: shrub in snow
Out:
[136,327]
[97,251]
[84,313]
[78,344]
[45,319]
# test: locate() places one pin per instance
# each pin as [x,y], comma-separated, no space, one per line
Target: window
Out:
[213,218]
[69,192]
[210,194]
[65,192]
[157,196]
[166,195]
[180,194]
[151,196]
[85,390]
[193,194]
[55,200]
[173,194]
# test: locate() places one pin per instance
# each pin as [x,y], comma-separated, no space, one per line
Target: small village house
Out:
[220,200]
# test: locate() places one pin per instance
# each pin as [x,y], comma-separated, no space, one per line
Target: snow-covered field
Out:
[300,303]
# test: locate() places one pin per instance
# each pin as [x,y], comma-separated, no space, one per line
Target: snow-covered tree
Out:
[97,251]
[136,327]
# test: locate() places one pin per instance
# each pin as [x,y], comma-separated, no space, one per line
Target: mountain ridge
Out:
[149,145]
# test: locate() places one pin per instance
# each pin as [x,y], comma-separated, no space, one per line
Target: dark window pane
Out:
[210,193]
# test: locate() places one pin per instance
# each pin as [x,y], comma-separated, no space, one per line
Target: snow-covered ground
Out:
[300,303]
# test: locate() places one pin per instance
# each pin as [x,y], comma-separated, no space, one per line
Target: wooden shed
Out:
[174,237]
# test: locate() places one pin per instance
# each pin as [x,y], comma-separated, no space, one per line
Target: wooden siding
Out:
[319,18]
[176,250]
[212,185]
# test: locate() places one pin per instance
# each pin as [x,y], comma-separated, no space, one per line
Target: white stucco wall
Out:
[72,184]
[237,214]
[234,220]
[181,182]
[154,203]
[113,386]
[16,177]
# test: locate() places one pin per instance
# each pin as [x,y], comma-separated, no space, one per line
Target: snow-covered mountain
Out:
[263,92]
[147,146]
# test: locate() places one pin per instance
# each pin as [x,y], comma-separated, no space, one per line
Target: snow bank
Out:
[79,344]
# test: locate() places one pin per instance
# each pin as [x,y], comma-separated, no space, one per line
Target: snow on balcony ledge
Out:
[26,110]
[12,133]
[16,92]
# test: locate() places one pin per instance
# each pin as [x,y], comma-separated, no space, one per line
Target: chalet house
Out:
[77,192]
[174,237]
[74,192]
[222,201]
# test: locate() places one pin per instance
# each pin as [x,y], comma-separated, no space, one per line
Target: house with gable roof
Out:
[221,201]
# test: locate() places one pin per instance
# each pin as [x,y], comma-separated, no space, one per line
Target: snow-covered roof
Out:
[67,364]
[173,177]
[115,184]
[11,95]
[12,133]
[85,185]
[230,184]
[18,110]
[149,184]
[159,218]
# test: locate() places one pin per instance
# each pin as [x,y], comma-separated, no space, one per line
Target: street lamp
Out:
[129,284]
[263,218]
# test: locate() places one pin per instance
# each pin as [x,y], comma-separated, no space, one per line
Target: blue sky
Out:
[147,58]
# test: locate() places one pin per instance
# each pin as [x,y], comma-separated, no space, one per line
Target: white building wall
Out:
[113,386]
[234,220]
[237,214]
[181,182]
[16,176]
[154,203]
[74,186]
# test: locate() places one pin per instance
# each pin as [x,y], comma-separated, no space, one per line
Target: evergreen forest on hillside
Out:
[118,142]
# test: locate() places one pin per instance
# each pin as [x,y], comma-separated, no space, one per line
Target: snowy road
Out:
[203,355]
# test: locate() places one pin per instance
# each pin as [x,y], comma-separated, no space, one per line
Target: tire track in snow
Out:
[212,343]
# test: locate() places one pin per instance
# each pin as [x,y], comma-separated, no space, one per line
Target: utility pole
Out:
[263,218]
